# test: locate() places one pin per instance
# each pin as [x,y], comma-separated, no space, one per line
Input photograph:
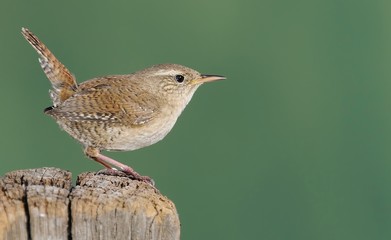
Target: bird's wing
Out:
[114,102]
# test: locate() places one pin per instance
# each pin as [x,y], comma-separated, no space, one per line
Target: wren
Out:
[118,112]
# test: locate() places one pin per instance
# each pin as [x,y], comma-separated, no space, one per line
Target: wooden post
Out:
[42,204]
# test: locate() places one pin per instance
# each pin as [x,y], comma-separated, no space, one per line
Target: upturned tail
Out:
[63,82]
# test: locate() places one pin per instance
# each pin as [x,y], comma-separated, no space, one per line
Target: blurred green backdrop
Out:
[294,145]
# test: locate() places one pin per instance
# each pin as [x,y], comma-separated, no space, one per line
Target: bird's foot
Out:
[126,173]
[136,176]
[112,172]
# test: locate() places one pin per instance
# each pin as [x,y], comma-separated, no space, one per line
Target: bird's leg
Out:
[95,154]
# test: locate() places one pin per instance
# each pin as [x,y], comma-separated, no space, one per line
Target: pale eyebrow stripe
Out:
[166,72]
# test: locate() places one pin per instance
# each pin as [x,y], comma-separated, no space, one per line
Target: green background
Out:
[295,144]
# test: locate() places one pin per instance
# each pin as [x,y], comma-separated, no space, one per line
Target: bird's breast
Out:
[132,138]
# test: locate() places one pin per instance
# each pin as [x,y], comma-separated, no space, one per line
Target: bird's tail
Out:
[63,82]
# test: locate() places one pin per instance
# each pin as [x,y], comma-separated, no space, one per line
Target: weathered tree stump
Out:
[42,204]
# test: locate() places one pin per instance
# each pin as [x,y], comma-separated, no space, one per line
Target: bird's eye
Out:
[179,78]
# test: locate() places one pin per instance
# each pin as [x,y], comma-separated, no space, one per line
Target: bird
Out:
[118,112]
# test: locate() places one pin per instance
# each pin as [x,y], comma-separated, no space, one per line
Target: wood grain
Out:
[42,204]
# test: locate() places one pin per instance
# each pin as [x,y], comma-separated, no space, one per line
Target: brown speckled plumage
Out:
[119,112]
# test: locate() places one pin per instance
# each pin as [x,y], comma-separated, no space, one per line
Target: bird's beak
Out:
[207,78]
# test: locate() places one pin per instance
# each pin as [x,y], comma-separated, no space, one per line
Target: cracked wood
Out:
[42,204]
